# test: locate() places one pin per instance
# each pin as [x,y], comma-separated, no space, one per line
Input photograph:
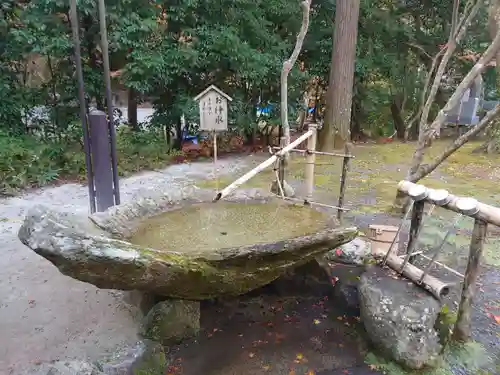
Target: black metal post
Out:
[83,110]
[101,162]
[109,98]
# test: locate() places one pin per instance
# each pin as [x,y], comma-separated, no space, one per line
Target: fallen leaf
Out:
[266,367]
[340,318]
[316,321]
[496,318]
[251,355]
[310,372]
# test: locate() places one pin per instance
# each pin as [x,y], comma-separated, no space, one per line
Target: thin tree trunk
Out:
[492,144]
[397,118]
[132,109]
[336,130]
[426,133]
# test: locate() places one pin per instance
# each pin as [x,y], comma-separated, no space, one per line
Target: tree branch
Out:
[455,145]
[287,67]
[456,35]
[424,134]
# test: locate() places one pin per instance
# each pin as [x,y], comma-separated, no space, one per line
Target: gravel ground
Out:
[46,316]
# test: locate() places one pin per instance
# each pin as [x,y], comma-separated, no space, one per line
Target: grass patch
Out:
[378,168]
[470,356]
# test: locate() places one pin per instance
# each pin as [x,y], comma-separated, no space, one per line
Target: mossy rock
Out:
[170,322]
[97,250]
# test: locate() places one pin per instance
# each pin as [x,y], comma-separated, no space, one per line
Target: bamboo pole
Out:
[310,160]
[343,179]
[315,203]
[465,206]
[435,286]
[247,176]
[455,272]
[462,330]
[301,151]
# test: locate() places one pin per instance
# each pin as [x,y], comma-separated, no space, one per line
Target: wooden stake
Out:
[310,160]
[415,227]
[462,329]
[343,179]
[282,164]
[215,161]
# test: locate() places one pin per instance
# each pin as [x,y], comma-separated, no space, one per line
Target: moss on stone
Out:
[471,356]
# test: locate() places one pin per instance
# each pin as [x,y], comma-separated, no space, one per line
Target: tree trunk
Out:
[336,130]
[397,118]
[492,145]
[132,109]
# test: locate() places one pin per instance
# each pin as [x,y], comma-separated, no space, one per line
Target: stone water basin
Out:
[184,246]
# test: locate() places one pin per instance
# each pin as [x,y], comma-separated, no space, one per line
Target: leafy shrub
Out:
[26,162]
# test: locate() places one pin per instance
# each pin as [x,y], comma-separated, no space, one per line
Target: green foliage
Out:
[169,51]
[25,162]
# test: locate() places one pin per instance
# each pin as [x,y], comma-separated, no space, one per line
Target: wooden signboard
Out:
[213,116]
[213,109]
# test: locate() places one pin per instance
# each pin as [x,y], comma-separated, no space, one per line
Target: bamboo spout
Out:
[247,176]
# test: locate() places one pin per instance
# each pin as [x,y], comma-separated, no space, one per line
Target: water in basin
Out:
[208,226]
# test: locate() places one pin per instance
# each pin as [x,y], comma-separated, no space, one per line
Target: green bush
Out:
[27,162]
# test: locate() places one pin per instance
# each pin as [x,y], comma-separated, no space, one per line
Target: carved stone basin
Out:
[182,245]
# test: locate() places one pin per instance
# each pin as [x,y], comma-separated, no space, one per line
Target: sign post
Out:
[213,116]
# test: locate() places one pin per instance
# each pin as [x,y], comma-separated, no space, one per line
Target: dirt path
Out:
[45,316]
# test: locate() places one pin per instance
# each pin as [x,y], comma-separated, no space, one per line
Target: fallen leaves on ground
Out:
[299,358]
[496,318]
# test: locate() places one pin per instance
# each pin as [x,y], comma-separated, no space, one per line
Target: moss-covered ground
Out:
[377,168]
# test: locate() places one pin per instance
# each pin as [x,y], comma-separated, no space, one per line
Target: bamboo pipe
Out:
[247,176]
[301,151]
[435,286]
[462,205]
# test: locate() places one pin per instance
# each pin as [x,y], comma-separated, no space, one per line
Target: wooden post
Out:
[310,162]
[282,163]
[343,179]
[215,161]
[415,228]
[462,328]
